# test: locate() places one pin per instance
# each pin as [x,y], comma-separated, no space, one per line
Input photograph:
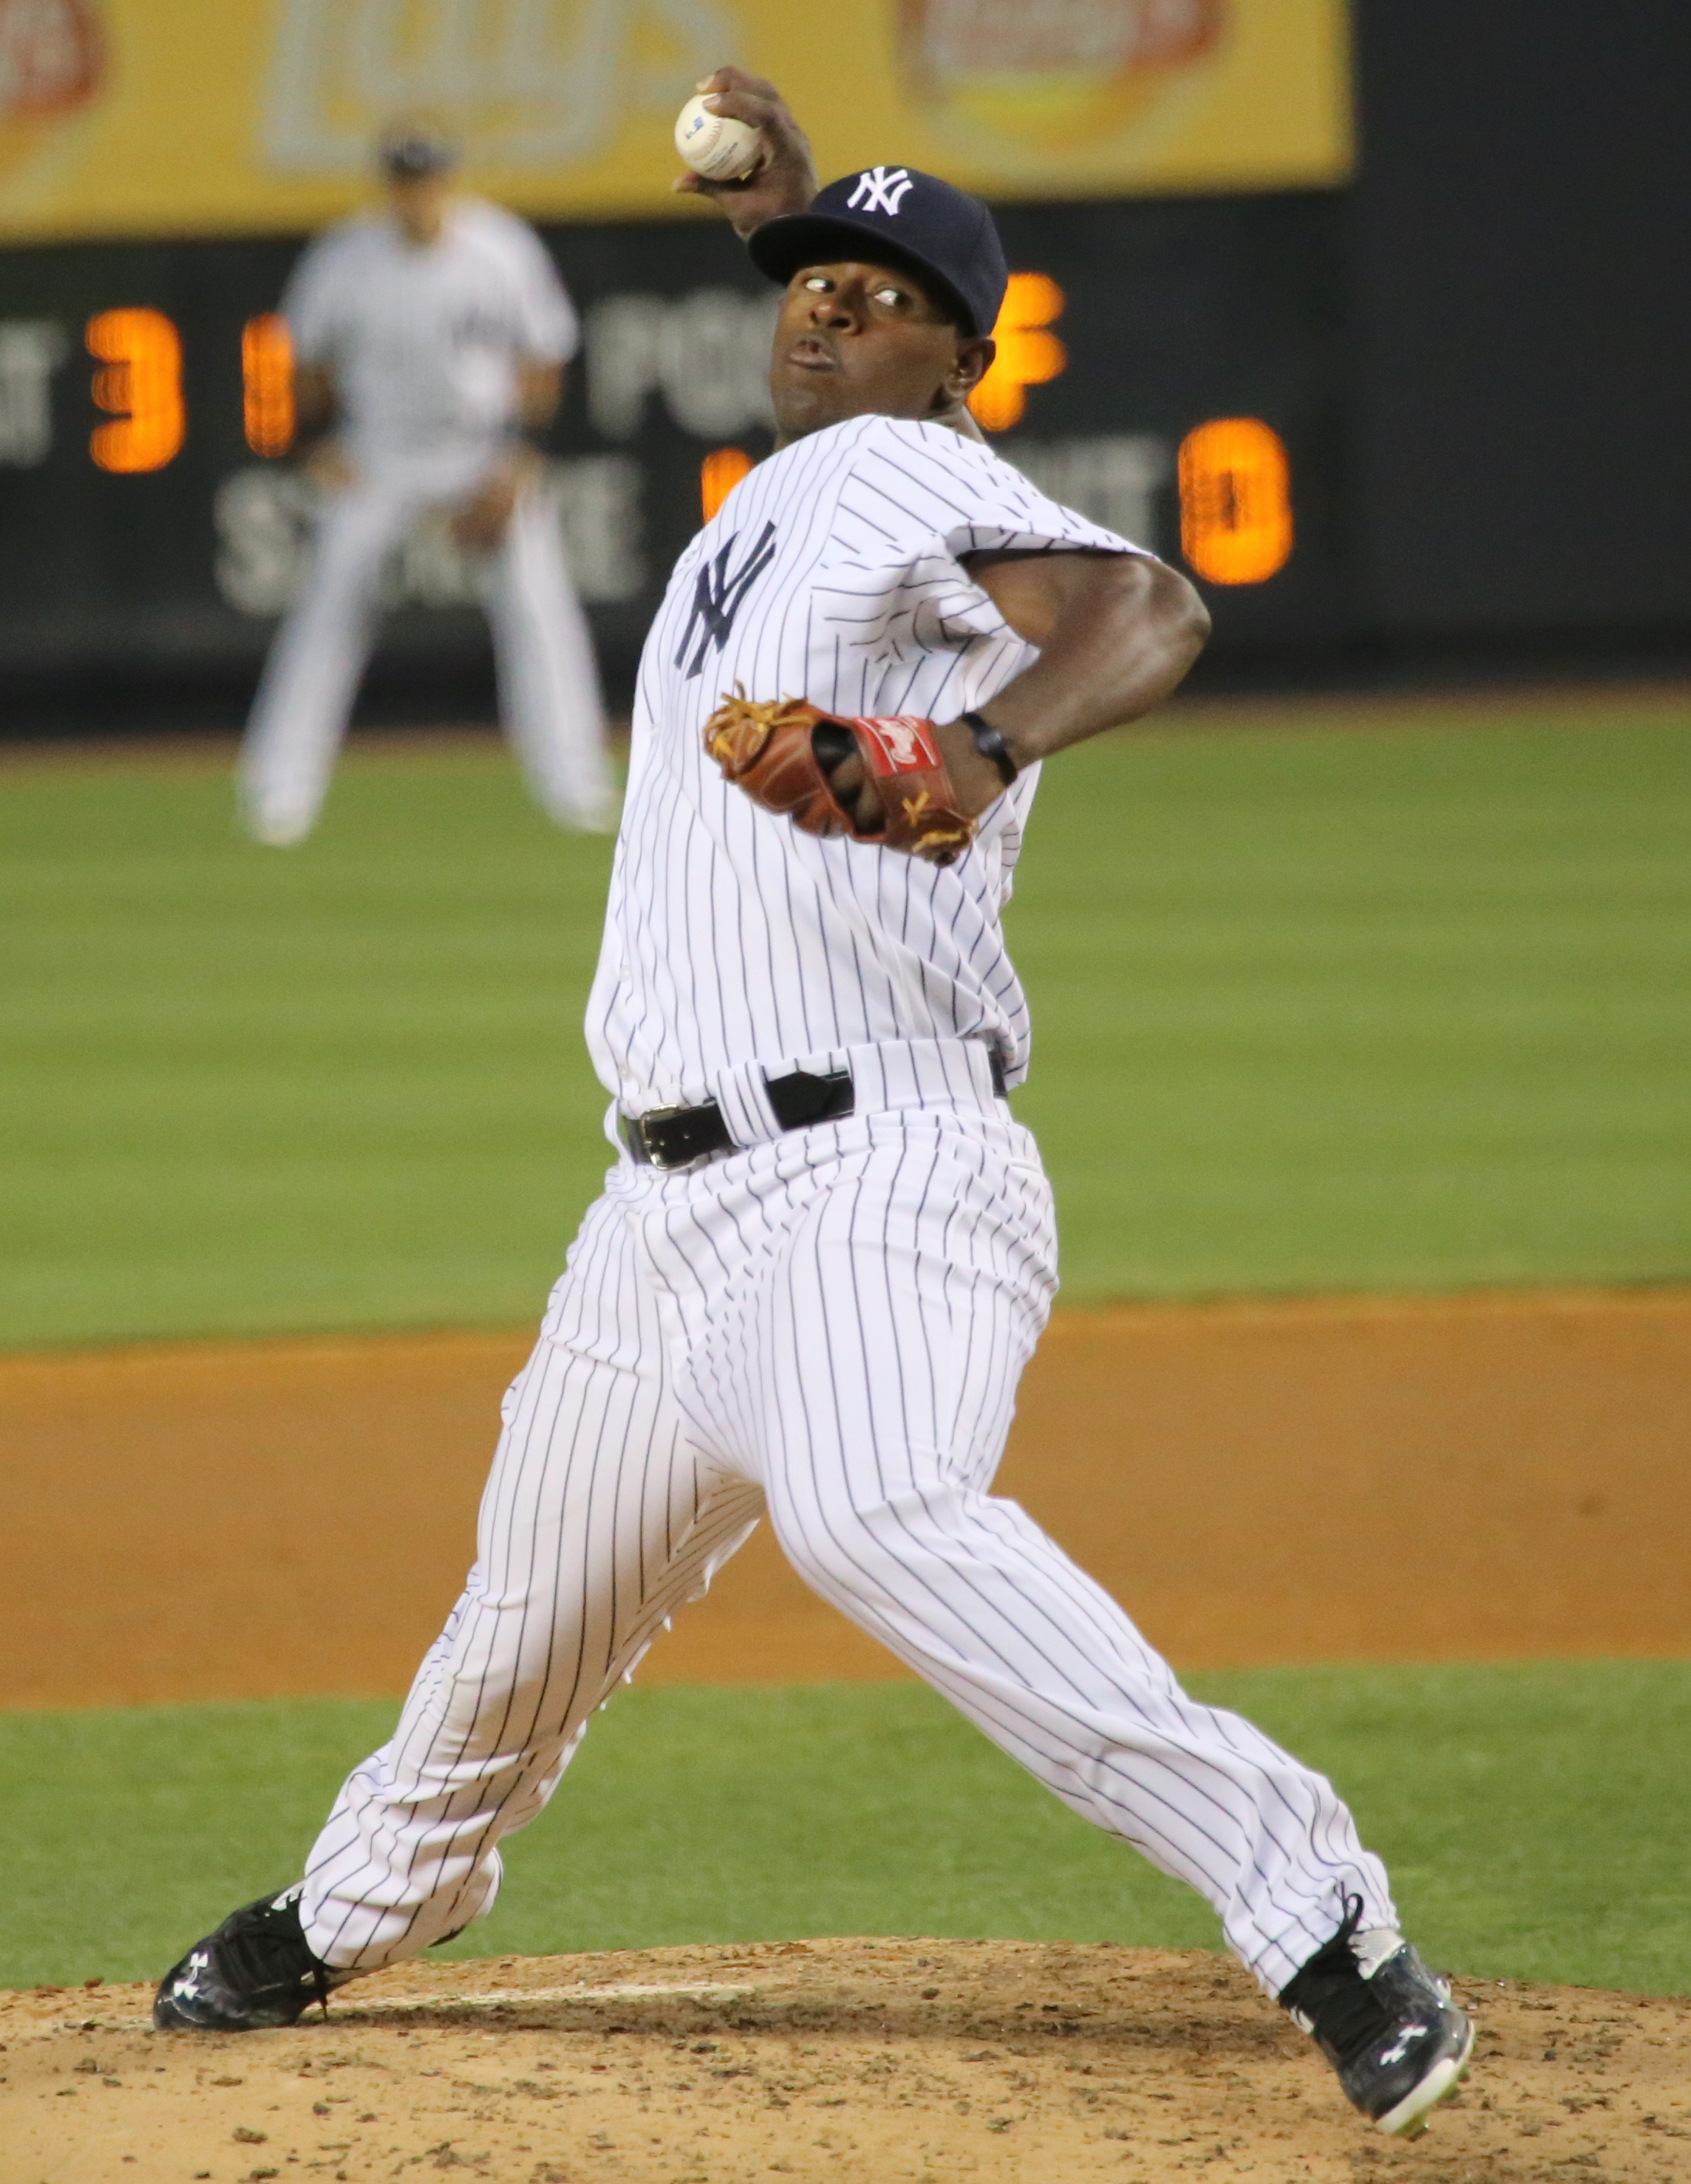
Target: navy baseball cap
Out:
[898,216]
[408,150]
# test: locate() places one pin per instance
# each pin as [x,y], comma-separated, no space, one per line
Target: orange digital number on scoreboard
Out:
[267,384]
[139,383]
[719,474]
[1235,501]
[1028,352]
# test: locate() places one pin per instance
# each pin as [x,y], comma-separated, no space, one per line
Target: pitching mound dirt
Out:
[837,2059]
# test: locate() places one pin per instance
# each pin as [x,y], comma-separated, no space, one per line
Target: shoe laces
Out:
[271,1950]
[1333,1998]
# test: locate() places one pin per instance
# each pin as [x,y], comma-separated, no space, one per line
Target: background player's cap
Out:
[901,216]
[408,150]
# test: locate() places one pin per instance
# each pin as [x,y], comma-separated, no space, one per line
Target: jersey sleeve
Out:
[548,327]
[312,302]
[919,498]
[961,497]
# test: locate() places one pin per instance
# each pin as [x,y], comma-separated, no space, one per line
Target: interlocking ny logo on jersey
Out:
[877,190]
[717,592]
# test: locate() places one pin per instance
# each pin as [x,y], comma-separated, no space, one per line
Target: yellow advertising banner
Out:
[174,117]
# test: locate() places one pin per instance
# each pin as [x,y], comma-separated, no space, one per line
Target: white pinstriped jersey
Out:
[831,573]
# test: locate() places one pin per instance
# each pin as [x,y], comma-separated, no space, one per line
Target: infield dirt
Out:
[865,2061]
[1484,1477]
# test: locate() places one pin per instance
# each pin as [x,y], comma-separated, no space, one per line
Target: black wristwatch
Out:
[991,744]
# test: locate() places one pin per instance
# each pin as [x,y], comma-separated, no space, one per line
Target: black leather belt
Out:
[676,1137]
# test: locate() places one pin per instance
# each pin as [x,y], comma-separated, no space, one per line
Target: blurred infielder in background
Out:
[429,338]
[826,1251]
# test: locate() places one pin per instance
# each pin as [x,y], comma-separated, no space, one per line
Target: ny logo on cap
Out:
[877,190]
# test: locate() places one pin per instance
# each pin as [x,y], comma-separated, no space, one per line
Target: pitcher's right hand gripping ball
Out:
[782,754]
[715,145]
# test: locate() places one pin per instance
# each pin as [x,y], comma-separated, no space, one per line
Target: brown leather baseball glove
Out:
[781,753]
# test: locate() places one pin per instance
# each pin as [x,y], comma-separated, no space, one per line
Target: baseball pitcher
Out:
[825,1250]
[429,339]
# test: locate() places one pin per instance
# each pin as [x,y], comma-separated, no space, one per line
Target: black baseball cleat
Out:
[255,1970]
[1386,2024]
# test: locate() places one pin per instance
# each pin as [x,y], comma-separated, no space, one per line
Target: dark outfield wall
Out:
[1478,360]
[1175,313]
[1522,284]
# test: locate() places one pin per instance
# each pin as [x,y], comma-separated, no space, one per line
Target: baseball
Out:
[713,145]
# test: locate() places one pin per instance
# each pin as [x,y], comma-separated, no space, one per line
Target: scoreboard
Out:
[1176,368]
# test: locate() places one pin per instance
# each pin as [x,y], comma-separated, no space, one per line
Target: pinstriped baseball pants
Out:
[826,1328]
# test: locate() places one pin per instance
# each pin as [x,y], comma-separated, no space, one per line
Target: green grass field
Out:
[1533,1819]
[1393,1002]
[1402,1007]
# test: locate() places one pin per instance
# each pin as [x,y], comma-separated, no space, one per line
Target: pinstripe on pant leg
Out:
[901,1310]
[599,1518]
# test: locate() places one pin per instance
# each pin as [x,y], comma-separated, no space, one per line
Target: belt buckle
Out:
[639,1143]
[703,1135]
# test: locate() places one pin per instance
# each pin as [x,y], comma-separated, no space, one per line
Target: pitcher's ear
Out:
[975,355]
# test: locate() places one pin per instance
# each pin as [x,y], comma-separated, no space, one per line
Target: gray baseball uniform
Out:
[425,342]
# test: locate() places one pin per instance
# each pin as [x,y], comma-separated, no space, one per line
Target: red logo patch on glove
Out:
[897,742]
[769,750]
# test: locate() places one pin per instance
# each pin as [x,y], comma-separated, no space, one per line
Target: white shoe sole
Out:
[595,819]
[279,833]
[1408,2119]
